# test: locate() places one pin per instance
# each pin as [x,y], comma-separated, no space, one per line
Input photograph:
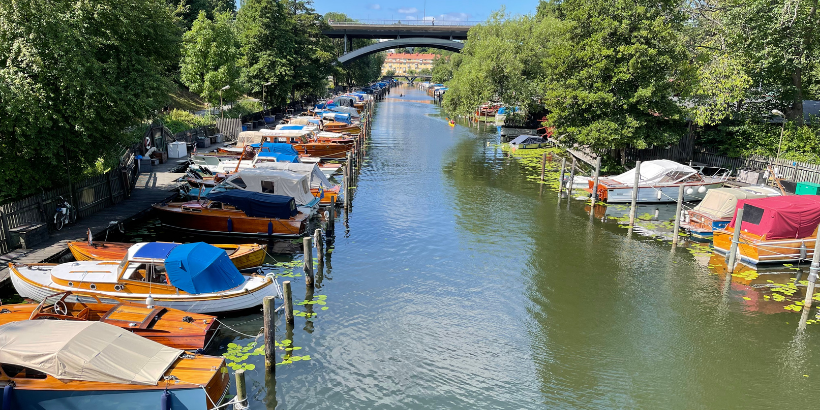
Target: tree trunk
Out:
[797,105]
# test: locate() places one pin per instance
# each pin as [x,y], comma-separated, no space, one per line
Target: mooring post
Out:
[241,390]
[269,312]
[317,235]
[307,248]
[288,296]
[331,217]
[634,209]
[561,177]
[543,165]
[571,176]
[814,270]
[595,183]
[677,216]
[735,241]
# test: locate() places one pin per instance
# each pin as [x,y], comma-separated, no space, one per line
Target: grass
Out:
[182,99]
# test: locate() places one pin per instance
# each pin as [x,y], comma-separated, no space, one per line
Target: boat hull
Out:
[230,222]
[38,399]
[668,193]
[754,249]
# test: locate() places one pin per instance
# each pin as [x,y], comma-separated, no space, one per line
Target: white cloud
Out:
[374,6]
[410,18]
[408,10]
[453,17]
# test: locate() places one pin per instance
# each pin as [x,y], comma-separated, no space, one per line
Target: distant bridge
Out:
[410,77]
[407,33]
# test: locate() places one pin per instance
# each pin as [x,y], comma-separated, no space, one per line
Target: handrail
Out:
[438,23]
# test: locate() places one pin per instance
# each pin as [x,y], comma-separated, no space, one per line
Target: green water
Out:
[457,283]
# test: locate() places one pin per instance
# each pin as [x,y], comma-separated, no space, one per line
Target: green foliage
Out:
[179,120]
[358,72]
[73,75]
[191,9]
[443,68]
[243,108]
[210,55]
[267,41]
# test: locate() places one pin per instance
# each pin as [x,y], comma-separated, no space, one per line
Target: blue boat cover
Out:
[279,156]
[292,127]
[155,250]
[257,204]
[278,147]
[201,268]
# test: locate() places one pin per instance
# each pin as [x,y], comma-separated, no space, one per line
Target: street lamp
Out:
[222,106]
[264,107]
[783,126]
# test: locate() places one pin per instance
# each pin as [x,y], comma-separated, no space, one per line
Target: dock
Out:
[154,185]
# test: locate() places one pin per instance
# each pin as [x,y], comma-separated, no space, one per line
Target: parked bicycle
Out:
[64,214]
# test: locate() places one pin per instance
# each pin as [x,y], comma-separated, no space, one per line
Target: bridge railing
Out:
[437,23]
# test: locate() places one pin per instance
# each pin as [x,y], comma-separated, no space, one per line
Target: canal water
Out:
[457,283]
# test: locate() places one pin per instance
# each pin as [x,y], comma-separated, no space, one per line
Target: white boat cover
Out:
[88,351]
[287,133]
[349,110]
[328,134]
[248,138]
[302,120]
[289,127]
[653,171]
[312,171]
[285,183]
[721,202]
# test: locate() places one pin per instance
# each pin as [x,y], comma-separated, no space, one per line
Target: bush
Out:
[179,120]
[243,108]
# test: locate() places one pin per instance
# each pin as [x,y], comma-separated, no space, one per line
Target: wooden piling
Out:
[269,312]
[595,183]
[571,176]
[320,245]
[543,165]
[675,235]
[730,266]
[241,389]
[307,248]
[814,270]
[288,296]
[633,210]
[561,177]
[331,219]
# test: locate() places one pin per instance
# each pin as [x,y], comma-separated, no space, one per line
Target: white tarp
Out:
[328,134]
[654,171]
[721,202]
[312,171]
[349,110]
[287,133]
[307,127]
[248,138]
[281,182]
[88,351]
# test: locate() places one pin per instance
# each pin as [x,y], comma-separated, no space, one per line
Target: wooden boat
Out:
[717,209]
[60,364]
[243,256]
[334,138]
[320,186]
[194,277]
[487,112]
[304,143]
[336,126]
[171,327]
[659,182]
[527,142]
[223,217]
[773,229]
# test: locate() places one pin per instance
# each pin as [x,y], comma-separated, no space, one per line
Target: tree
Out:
[390,73]
[443,68]
[611,71]
[190,9]
[210,55]
[267,43]
[313,53]
[73,75]
[360,71]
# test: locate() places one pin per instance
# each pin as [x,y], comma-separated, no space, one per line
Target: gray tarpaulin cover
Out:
[721,202]
[312,171]
[89,351]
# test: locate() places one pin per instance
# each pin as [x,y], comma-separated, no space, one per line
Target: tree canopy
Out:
[210,58]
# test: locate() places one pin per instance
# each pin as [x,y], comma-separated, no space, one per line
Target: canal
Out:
[458,283]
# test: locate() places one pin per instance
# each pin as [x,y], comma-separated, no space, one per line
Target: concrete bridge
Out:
[410,77]
[407,33]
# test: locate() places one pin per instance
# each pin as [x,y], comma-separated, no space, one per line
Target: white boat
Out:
[659,182]
[277,182]
[194,277]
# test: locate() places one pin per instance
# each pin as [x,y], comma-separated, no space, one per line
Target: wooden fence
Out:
[88,197]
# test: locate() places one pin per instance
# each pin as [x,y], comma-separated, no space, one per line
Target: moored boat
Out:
[58,364]
[527,142]
[320,186]
[194,277]
[171,327]
[773,229]
[717,209]
[659,182]
[243,256]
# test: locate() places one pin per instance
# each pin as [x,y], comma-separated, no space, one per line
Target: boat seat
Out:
[83,315]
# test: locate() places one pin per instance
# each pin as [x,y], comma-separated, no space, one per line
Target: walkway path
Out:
[154,185]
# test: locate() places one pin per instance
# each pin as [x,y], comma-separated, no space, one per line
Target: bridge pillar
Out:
[345,43]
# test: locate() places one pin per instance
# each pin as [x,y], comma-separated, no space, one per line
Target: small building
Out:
[407,63]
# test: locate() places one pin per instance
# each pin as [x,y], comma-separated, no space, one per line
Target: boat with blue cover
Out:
[194,277]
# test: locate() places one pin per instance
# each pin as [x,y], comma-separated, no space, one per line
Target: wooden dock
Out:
[154,185]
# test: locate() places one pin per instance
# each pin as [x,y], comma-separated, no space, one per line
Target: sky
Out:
[442,10]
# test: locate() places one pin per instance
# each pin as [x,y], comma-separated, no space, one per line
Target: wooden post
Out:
[595,184]
[331,219]
[571,176]
[4,220]
[319,244]
[677,216]
[735,241]
[814,269]
[543,166]
[561,177]
[634,209]
[270,332]
[288,296]
[307,248]
[241,390]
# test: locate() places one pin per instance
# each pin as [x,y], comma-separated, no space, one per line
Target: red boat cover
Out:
[780,217]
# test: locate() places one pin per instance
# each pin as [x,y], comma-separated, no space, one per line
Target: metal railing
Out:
[437,23]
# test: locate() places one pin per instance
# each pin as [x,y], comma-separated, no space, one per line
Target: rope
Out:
[236,331]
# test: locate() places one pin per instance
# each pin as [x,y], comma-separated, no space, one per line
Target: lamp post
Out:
[264,106]
[783,126]
[222,106]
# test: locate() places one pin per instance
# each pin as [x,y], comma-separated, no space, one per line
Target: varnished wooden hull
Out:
[703,226]
[755,249]
[243,256]
[217,221]
[320,150]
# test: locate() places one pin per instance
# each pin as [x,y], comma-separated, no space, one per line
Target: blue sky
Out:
[472,10]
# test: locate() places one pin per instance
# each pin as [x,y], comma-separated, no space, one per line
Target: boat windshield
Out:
[680,176]
[146,272]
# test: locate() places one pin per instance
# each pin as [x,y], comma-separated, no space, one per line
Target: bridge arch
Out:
[402,42]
